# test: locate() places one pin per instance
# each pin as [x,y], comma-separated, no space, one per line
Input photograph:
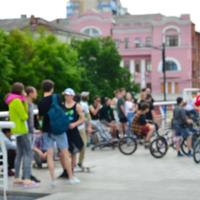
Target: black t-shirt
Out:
[97,116]
[120,103]
[150,102]
[106,113]
[44,106]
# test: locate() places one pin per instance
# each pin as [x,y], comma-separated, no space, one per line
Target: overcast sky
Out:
[51,9]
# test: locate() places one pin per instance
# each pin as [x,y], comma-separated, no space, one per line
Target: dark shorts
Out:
[123,119]
[183,132]
[75,141]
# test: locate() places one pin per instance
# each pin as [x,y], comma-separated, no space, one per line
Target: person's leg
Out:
[48,144]
[149,133]
[189,142]
[66,162]
[74,161]
[37,159]
[82,152]
[50,163]
[11,159]
[27,156]
[18,158]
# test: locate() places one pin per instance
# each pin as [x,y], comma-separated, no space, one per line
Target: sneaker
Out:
[52,184]
[73,181]
[80,165]
[64,174]
[146,145]
[179,154]
[33,178]
[11,173]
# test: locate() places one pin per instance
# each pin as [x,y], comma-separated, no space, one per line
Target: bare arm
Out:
[93,110]
[81,117]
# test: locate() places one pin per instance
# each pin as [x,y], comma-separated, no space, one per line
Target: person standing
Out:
[18,112]
[31,95]
[85,128]
[50,138]
[76,117]
[180,124]
[121,110]
[130,108]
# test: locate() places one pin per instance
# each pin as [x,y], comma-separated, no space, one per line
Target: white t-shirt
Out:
[85,108]
[128,107]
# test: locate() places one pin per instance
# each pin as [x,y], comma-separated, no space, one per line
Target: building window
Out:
[171,40]
[171,66]
[117,43]
[171,88]
[137,42]
[148,66]
[137,66]
[171,36]
[127,63]
[148,42]
[93,32]
[126,43]
[176,88]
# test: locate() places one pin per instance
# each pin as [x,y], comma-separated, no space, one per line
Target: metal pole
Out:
[164,72]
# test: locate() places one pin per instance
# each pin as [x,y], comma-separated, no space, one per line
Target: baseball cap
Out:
[85,93]
[69,91]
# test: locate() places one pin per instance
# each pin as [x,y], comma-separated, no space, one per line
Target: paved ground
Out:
[119,177]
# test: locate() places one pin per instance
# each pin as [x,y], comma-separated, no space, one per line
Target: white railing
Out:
[4,114]
[3,158]
[164,103]
[4,173]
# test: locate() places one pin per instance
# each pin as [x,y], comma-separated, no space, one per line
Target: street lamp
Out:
[164,72]
[162,49]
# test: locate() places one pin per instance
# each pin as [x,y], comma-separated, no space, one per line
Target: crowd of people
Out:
[36,139]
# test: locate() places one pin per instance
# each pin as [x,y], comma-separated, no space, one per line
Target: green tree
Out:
[101,61]
[43,57]
[6,66]
[57,61]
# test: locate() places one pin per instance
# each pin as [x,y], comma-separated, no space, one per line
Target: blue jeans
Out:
[24,154]
[130,116]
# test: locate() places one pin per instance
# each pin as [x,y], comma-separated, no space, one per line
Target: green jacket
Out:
[18,112]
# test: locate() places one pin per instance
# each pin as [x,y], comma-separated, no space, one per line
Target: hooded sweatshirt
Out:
[18,112]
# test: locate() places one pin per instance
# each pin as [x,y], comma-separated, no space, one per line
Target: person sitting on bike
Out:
[141,126]
[181,124]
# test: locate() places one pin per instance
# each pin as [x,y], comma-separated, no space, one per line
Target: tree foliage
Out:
[92,65]
[101,62]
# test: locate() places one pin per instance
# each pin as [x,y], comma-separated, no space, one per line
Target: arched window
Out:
[91,31]
[171,36]
[171,65]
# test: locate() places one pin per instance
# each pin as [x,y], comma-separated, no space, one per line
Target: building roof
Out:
[150,18]
[23,22]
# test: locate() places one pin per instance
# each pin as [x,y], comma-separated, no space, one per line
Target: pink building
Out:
[139,37]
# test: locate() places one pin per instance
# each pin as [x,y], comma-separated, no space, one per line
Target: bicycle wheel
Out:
[127,145]
[158,147]
[196,152]
[184,147]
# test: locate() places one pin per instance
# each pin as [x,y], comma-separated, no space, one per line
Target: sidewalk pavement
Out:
[119,177]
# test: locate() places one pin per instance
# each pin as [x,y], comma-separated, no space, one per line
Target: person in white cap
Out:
[76,117]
